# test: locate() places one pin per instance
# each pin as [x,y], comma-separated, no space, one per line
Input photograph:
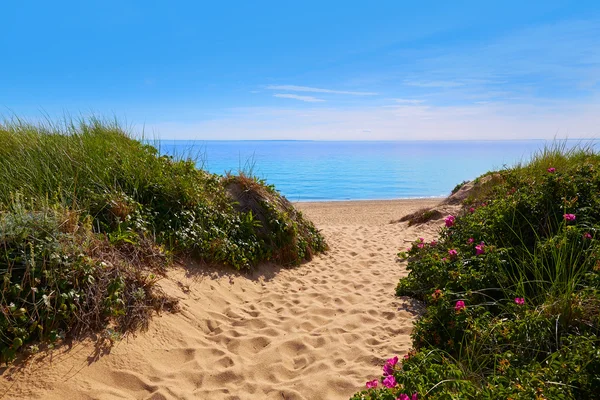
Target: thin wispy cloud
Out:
[409,122]
[308,99]
[545,61]
[294,88]
[409,101]
[434,84]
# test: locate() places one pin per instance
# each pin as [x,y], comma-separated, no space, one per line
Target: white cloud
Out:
[309,99]
[294,88]
[434,84]
[404,122]
[541,61]
[408,101]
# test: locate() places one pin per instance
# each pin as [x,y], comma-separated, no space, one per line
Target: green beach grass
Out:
[90,218]
[511,289]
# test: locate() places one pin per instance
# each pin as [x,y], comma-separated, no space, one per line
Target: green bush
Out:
[59,277]
[89,216]
[511,289]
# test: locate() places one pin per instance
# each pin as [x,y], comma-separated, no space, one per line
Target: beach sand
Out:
[318,331]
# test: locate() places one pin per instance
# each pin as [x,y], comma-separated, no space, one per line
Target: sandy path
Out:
[318,331]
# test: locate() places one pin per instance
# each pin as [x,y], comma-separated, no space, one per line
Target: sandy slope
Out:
[318,331]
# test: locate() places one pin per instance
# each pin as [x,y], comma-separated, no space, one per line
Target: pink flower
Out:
[405,397]
[452,253]
[449,220]
[480,248]
[372,384]
[587,235]
[551,169]
[421,245]
[470,241]
[388,370]
[471,210]
[459,305]
[569,217]
[392,361]
[421,240]
[433,243]
[444,259]
[389,382]
[406,356]
[519,300]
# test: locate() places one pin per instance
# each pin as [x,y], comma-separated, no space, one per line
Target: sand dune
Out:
[318,331]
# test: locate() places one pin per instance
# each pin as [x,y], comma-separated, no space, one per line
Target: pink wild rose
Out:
[569,217]
[372,384]
[392,361]
[587,235]
[389,382]
[519,300]
[471,210]
[421,245]
[388,370]
[480,248]
[452,253]
[551,169]
[470,241]
[459,305]
[449,220]
[433,243]
[405,397]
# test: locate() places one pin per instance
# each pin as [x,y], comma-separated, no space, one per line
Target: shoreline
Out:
[362,212]
[404,199]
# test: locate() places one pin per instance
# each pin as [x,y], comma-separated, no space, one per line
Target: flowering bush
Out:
[512,290]
[390,389]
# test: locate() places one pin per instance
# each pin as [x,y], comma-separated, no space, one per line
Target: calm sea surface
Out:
[320,170]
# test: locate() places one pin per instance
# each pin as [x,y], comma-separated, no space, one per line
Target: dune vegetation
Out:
[90,219]
[511,289]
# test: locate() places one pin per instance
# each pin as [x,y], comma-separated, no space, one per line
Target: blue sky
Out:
[309,70]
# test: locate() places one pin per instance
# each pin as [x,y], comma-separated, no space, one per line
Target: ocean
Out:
[351,170]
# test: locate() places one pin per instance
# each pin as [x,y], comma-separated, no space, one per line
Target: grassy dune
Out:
[511,289]
[90,217]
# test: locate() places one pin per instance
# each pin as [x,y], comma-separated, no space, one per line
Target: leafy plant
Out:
[90,216]
[511,288]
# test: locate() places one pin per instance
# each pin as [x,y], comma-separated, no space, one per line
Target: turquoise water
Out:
[321,170]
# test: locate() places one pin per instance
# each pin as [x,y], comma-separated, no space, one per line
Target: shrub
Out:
[90,216]
[421,216]
[59,277]
[511,289]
